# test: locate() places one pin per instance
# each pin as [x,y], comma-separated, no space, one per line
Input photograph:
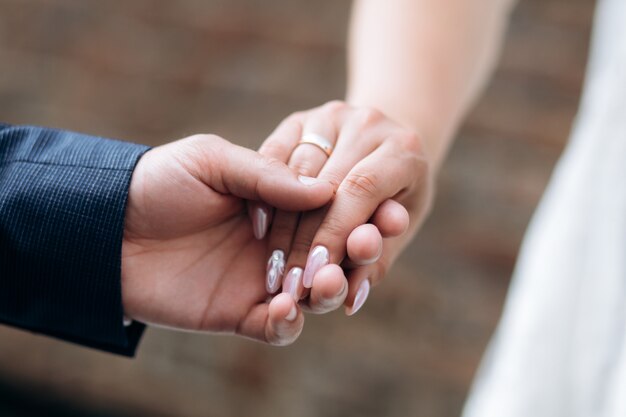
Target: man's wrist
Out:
[64,195]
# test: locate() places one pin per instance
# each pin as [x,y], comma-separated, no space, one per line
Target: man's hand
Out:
[189,257]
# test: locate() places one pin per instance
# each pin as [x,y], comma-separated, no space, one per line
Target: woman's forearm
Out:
[423,62]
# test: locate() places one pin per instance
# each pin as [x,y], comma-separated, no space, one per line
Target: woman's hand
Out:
[381,176]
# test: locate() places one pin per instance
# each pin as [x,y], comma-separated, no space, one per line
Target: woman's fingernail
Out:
[318,258]
[259,222]
[275,269]
[309,180]
[293,313]
[292,282]
[361,296]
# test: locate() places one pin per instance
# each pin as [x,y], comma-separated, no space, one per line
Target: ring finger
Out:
[307,159]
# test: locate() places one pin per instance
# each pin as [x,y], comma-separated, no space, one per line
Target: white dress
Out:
[560,348]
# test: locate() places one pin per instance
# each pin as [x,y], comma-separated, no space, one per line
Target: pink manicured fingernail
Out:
[275,269]
[318,258]
[259,222]
[293,313]
[309,180]
[292,282]
[361,296]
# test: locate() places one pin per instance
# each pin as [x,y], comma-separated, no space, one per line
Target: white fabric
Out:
[560,348]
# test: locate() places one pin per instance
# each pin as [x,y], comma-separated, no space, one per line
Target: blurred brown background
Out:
[153,71]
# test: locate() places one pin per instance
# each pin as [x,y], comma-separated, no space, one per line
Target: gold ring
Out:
[319,141]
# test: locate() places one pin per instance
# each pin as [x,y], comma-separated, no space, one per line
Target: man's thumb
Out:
[247,174]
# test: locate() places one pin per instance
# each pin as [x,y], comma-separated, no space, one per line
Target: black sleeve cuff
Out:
[62,204]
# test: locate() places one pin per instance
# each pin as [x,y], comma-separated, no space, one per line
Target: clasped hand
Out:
[323,230]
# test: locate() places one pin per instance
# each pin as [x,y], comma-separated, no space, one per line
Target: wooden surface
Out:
[152,72]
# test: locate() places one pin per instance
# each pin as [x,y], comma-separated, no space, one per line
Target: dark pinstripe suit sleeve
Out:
[62,203]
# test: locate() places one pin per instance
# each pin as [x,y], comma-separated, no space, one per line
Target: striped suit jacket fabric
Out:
[62,203]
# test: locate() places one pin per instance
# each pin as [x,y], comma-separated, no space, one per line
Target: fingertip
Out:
[285,320]
[391,218]
[281,308]
[329,290]
[364,244]
[329,281]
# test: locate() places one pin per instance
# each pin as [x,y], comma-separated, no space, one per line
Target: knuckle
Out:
[409,142]
[293,122]
[409,153]
[368,116]
[335,106]
[295,117]
[360,185]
